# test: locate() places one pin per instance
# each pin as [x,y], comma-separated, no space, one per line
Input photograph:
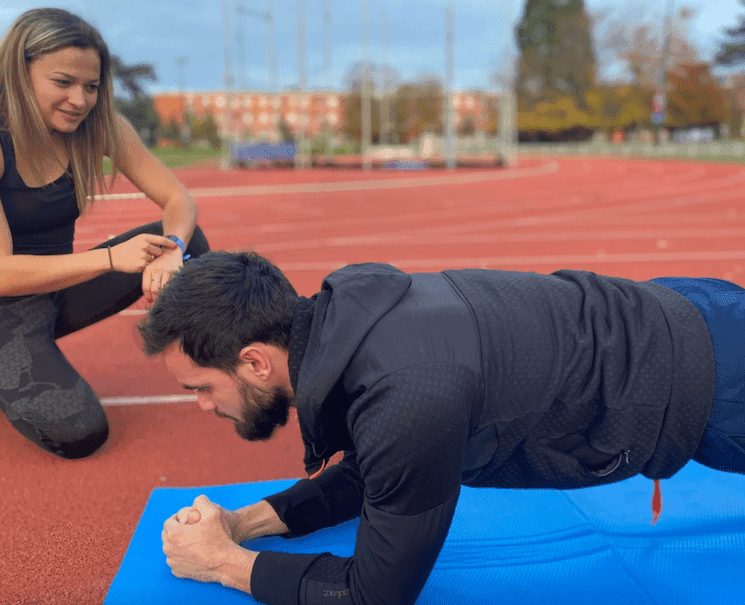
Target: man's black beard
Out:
[261,411]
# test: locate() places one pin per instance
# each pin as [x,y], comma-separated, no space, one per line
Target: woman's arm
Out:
[23,274]
[159,184]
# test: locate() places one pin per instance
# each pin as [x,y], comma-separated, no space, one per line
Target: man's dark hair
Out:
[219,303]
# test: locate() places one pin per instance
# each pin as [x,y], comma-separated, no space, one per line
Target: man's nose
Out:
[205,402]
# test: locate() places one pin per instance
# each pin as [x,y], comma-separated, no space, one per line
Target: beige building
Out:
[255,115]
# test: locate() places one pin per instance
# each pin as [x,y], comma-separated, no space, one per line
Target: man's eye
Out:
[62,82]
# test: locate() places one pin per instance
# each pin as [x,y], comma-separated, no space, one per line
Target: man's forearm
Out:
[235,571]
[257,520]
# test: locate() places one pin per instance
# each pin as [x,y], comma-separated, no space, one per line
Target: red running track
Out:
[68,524]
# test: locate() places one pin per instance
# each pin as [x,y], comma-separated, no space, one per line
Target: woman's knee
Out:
[82,447]
[70,437]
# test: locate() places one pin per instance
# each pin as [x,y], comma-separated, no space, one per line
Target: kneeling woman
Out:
[57,121]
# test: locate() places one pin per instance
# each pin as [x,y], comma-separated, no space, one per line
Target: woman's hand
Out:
[136,254]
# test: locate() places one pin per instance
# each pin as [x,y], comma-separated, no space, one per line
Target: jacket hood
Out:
[350,303]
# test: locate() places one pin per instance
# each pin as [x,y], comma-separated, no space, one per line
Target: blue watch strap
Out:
[177,240]
[180,243]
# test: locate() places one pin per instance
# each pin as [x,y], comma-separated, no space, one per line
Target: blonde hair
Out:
[34,33]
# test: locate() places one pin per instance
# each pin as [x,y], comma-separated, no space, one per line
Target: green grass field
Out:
[176,158]
[725,150]
[173,158]
[732,150]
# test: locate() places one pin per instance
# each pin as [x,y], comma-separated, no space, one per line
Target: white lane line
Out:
[499,237]
[644,204]
[248,190]
[120,196]
[148,399]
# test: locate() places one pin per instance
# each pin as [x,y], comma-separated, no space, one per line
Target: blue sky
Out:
[160,31]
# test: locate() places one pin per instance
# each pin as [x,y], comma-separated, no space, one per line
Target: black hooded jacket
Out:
[481,378]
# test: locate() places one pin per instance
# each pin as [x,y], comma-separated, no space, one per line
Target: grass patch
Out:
[726,150]
[178,158]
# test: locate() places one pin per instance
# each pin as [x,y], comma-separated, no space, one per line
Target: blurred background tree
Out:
[629,40]
[696,99]
[577,75]
[556,70]
[415,108]
[132,101]
[732,54]
[583,74]
[556,53]
[732,50]
[204,130]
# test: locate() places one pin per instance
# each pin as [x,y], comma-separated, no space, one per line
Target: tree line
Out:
[562,96]
[560,81]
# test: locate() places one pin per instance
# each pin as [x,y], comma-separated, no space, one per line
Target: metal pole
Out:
[300,153]
[268,18]
[365,101]
[227,116]
[384,101]
[181,63]
[327,60]
[327,55]
[241,78]
[660,102]
[450,151]
[271,60]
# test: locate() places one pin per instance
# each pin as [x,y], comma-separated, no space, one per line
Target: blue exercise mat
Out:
[513,547]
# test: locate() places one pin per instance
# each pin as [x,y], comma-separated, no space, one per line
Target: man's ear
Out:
[256,360]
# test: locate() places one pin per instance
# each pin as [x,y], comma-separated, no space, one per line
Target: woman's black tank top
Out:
[41,219]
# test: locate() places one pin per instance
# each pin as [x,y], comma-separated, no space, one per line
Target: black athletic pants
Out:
[44,398]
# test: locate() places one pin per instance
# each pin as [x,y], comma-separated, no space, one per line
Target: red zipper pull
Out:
[656,502]
[319,471]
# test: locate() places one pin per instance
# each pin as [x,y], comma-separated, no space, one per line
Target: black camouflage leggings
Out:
[44,398]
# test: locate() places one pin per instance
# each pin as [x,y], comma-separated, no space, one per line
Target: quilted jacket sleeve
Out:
[410,431]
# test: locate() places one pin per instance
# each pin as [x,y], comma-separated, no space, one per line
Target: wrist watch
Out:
[180,243]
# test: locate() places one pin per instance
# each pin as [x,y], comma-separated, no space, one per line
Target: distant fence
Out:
[722,150]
